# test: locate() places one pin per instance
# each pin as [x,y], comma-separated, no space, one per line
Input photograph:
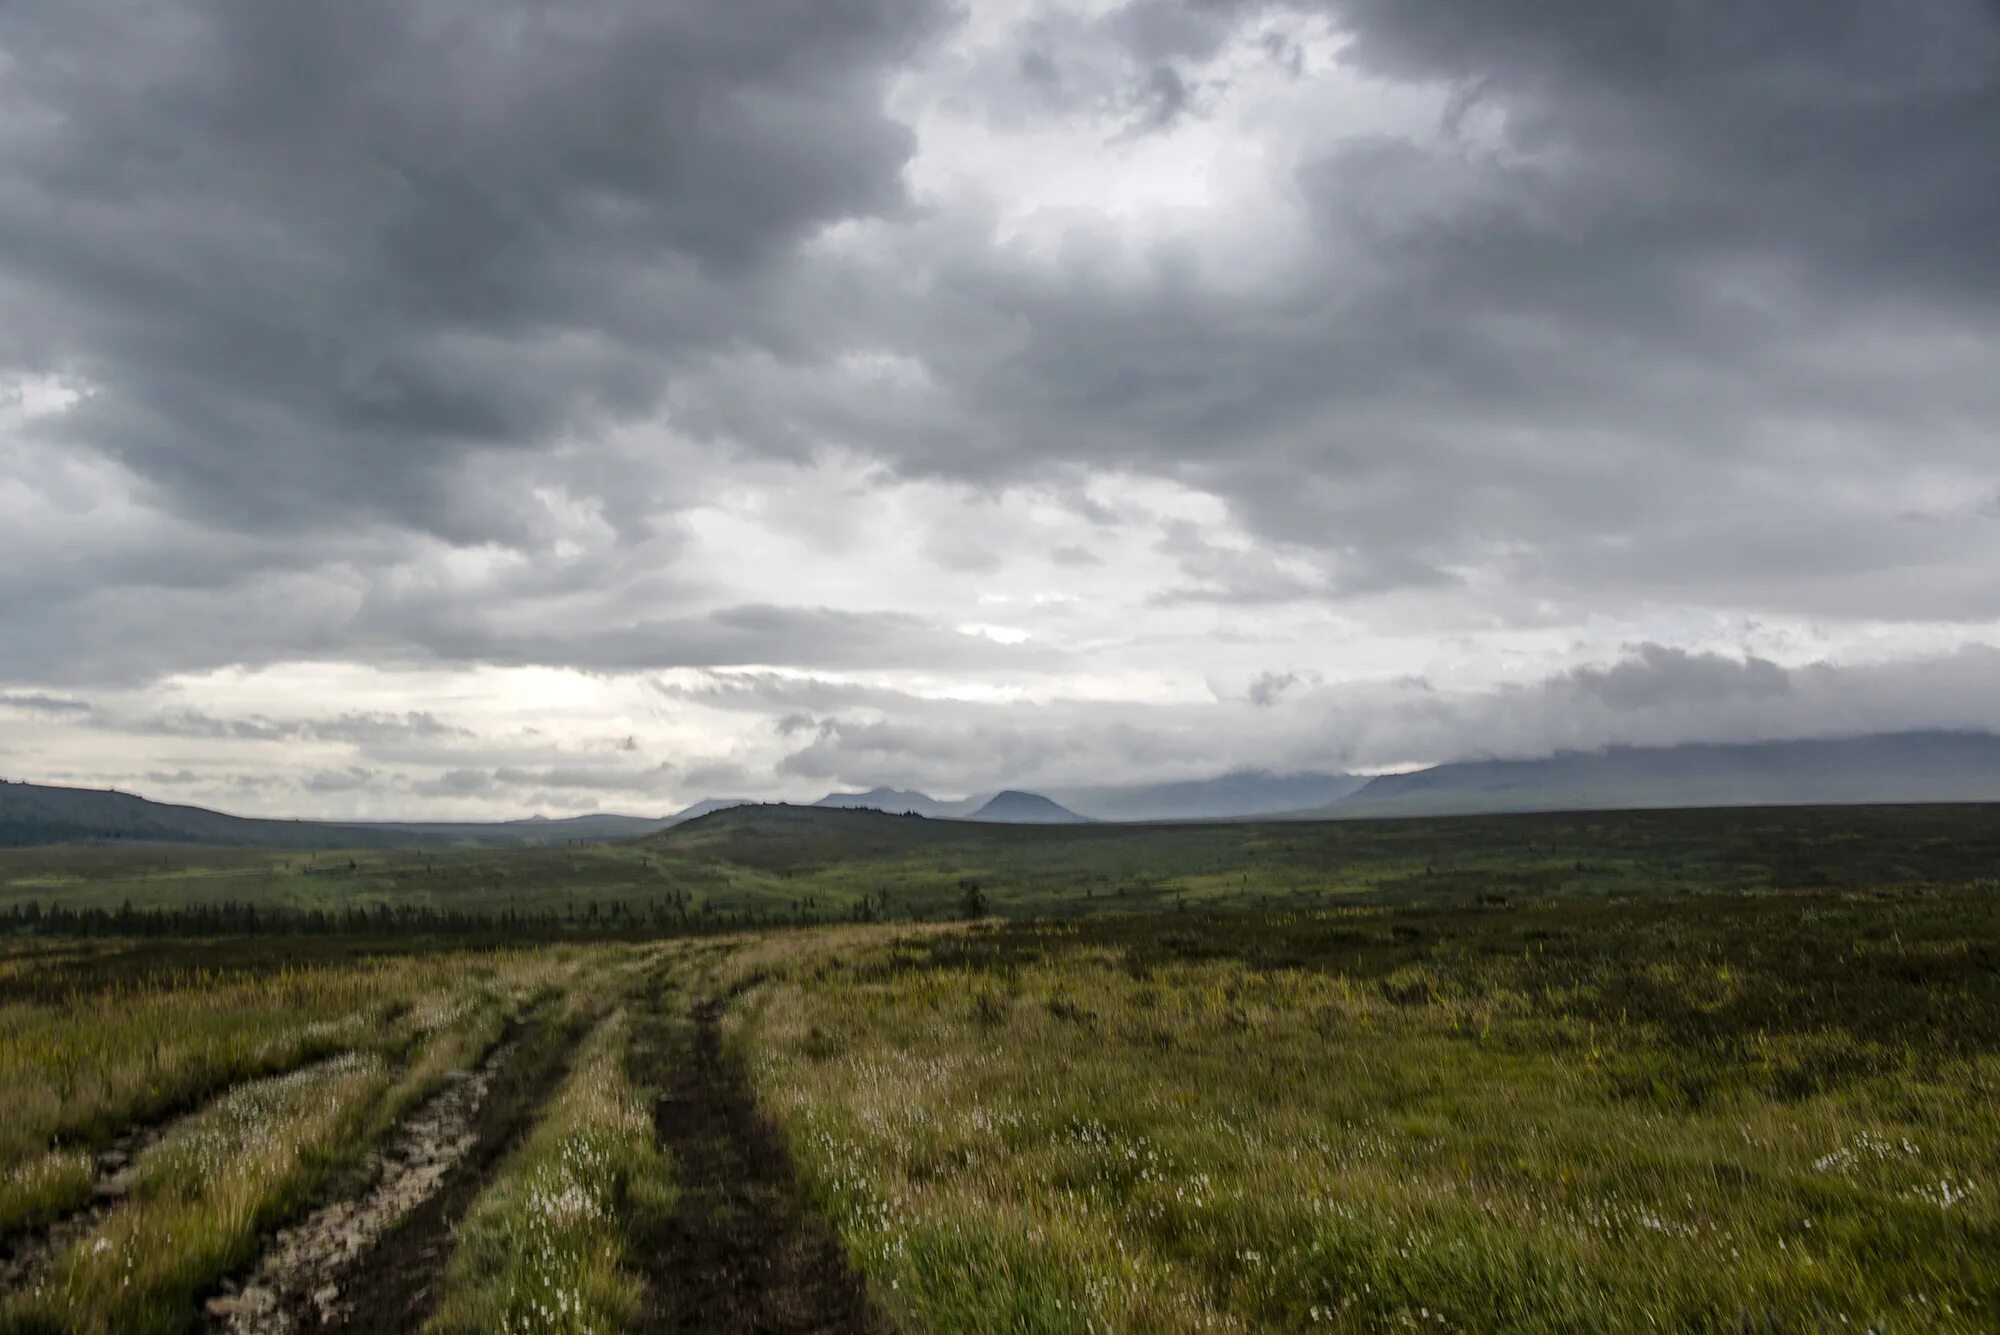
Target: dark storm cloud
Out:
[1643,303]
[1665,301]
[312,255]
[1833,135]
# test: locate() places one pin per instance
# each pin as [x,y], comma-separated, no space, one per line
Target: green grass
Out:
[203,1196]
[1680,1070]
[543,1248]
[349,1048]
[1770,1113]
[78,1071]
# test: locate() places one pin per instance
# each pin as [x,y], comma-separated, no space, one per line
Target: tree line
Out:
[586,920]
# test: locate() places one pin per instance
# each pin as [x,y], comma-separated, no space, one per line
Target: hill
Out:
[1884,768]
[33,813]
[1018,808]
[1225,797]
[706,806]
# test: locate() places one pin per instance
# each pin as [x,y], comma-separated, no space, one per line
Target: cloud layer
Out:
[1065,388]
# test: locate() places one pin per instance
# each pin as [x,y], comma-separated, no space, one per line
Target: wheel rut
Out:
[372,1260]
[304,1279]
[742,1252]
[396,1281]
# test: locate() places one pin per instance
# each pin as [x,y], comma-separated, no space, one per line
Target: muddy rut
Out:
[375,1262]
[742,1252]
[304,1278]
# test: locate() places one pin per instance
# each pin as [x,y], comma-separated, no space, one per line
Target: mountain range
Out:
[902,802]
[1010,807]
[1880,768]
[1238,793]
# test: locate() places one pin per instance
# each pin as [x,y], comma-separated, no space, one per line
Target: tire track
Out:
[742,1251]
[305,1276]
[396,1278]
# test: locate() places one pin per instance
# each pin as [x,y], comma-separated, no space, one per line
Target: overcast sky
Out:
[475,407]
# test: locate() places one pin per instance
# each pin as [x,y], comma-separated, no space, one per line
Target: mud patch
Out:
[397,1277]
[117,1170]
[304,1278]
[742,1251]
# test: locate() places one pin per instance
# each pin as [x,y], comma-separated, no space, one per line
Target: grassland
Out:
[82,1064]
[1769,1113]
[1726,1070]
[227,1099]
[807,864]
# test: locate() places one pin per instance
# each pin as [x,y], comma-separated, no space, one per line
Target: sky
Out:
[484,407]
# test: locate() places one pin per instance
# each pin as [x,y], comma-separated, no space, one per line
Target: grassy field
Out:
[1704,1071]
[793,862]
[1770,1113]
[224,1100]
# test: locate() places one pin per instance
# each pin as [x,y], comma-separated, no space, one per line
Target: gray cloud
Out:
[1657,677]
[312,256]
[1615,323]
[331,273]
[34,702]
[357,728]
[516,783]
[733,636]
[1267,688]
[1653,696]
[1639,257]
[768,692]
[353,779]
[445,336]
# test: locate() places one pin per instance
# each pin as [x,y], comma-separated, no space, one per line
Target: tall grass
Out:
[1760,1114]
[79,1069]
[543,1249]
[203,1195]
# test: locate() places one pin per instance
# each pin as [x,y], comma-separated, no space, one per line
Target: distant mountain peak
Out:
[1015,807]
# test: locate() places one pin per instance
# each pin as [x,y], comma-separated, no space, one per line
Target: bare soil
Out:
[395,1283]
[742,1252]
[306,1277]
